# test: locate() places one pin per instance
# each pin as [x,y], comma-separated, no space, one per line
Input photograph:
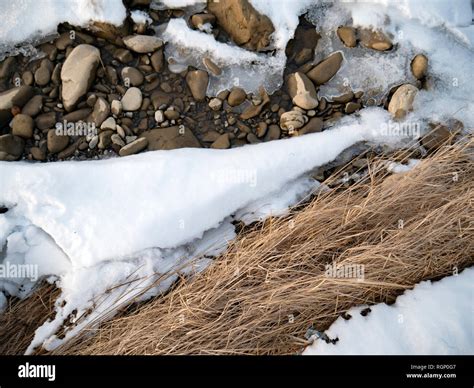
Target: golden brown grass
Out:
[263,294]
[21,318]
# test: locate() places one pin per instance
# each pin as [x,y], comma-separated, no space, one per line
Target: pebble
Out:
[402,100]
[197,81]
[159,117]
[215,104]
[108,124]
[11,147]
[56,143]
[134,147]
[22,125]
[326,69]
[347,36]
[222,142]
[78,73]
[94,142]
[132,76]
[132,99]
[302,91]
[117,140]
[116,107]
[143,44]
[292,120]
[419,66]
[236,96]
[212,67]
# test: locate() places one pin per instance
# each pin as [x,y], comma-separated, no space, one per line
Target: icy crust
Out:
[434,318]
[449,52]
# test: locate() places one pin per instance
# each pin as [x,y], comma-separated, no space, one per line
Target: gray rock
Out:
[78,73]
[143,44]
[134,147]
[132,100]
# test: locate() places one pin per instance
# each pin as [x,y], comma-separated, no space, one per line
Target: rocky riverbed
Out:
[106,91]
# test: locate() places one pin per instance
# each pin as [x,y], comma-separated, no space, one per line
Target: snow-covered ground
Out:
[433,318]
[99,224]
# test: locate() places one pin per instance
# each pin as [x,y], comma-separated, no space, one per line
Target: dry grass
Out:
[271,286]
[21,318]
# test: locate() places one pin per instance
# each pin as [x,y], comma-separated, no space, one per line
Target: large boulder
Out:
[78,73]
[243,23]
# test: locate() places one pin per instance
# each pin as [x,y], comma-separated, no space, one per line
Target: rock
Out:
[402,100]
[197,81]
[170,138]
[56,143]
[117,140]
[38,154]
[94,142]
[326,69]
[105,139]
[199,19]
[100,112]
[159,116]
[33,107]
[132,100]
[77,115]
[222,142]
[273,133]
[27,78]
[302,91]
[375,40]
[300,49]
[116,107]
[419,66]
[45,120]
[262,129]
[211,136]
[143,44]
[347,36]
[123,55]
[343,98]
[109,31]
[215,104]
[22,125]
[108,124]
[7,68]
[315,124]
[132,76]
[292,120]
[243,23]
[255,110]
[78,73]
[43,73]
[211,66]
[157,61]
[134,147]
[63,41]
[236,96]
[351,107]
[437,136]
[11,147]
[171,114]
[16,97]
[158,99]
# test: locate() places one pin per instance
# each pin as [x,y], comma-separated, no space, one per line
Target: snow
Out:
[434,318]
[26,19]
[125,222]
[397,168]
[140,17]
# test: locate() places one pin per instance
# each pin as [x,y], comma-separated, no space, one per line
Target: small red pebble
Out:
[15,110]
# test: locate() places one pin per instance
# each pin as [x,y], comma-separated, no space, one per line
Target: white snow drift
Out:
[433,318]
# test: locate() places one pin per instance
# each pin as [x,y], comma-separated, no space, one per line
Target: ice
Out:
[434,318]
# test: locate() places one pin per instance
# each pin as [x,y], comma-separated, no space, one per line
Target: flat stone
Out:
[134,147]
[170,138]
